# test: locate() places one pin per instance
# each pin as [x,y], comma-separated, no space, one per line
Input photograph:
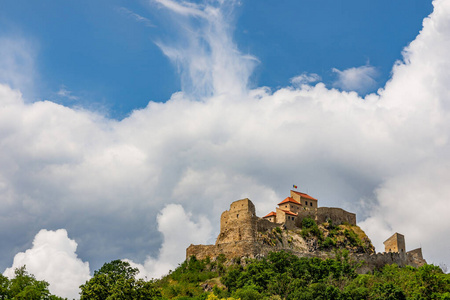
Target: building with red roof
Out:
[288,209]
[272,217]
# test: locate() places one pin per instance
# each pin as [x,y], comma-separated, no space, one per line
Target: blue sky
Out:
[106,56]
[128,127]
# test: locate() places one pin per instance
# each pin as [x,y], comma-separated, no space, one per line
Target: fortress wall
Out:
[263,225]
[230,250]
[416,257]
[202,251]
[369,262]
[306,213]
[337,215]
[376,261]
[415,253]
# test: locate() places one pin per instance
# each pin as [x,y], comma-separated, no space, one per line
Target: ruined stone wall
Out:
[306,213]
[323,214]
[415,256]
[263,225]
[369,262]
[337,215]
[376,261]
[230,250]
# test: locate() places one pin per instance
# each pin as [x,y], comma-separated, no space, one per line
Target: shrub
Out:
[308,223]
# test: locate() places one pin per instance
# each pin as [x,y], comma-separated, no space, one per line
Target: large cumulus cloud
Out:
[385,156]
[53,258]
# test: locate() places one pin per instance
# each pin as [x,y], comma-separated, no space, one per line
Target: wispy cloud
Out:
[17,63]
[136,17]
[360,79]
[305,78]
[184,8]
[208,60]
[64,92]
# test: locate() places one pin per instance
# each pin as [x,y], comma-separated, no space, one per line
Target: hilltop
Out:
[301,227]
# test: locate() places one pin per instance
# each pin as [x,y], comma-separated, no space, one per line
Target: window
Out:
[237,216]
[306,202]
[310,203]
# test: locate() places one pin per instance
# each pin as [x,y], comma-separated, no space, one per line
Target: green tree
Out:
[116,280]
[4,287]
[25,286]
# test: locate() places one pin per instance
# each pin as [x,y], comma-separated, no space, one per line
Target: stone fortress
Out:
[300,205]
[243,234]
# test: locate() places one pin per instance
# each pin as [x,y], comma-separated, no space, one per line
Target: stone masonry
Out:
[241,231]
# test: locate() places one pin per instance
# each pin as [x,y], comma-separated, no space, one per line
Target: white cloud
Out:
[64,92]
[207,58]
[105,181]
[179,232]
[360,79]
[53,258]
[184,8]
[17,63]
[305,78]
[136,17]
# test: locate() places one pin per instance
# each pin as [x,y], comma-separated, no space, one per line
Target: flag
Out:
[294,186]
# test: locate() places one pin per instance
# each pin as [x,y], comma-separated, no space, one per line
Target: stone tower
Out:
[238,223]
[396,243]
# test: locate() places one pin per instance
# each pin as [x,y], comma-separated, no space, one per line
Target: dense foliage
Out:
[117,280]
[285,276]
[278,276]
[24,286]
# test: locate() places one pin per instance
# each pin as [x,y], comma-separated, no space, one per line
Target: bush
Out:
[352,238]
[308,223]
[327,243]
[309,227]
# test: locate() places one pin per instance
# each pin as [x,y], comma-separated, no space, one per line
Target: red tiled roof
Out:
[270,214]
[304,195]
[289,199]
[289,212]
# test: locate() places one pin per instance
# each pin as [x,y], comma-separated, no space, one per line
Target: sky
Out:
[127,127]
